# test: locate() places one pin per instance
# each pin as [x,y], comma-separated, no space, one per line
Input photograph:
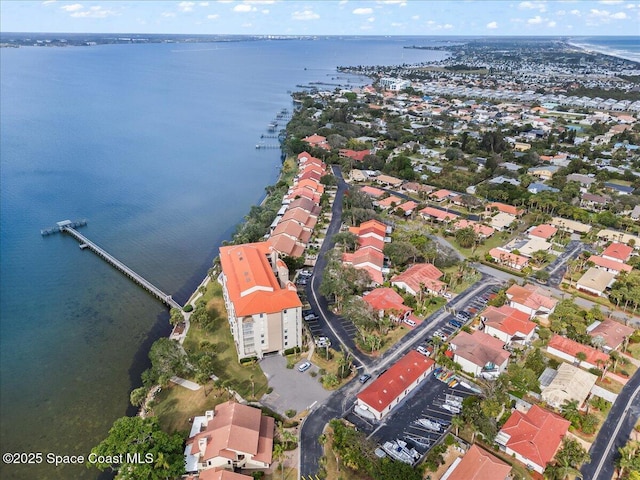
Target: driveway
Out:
[291,389]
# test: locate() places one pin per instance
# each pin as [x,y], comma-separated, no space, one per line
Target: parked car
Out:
[364,378]
[310,316]
[455,323]
[409,322]
[305,273]
[422,350]
[303,367]
[464,316]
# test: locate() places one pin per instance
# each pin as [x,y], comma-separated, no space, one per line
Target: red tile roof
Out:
[509,320]
[251,284]
[543,231]
[502,256]
[503,207]
[571,347]
[439,194]
[619,251]
[286,245]
[530,296]
[353,154]
[408,206]
[613,332]
[610,264]
[420,274]
[389,201]
[536,435]
[480,229]
[438,214]
[372,191]
[387,300]
[213,474]
[392,383]
[316,140]
[478,464]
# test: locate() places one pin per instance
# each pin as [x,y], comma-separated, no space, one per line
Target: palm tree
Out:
[581,357]
[457,422]
[569,410]
[279,455]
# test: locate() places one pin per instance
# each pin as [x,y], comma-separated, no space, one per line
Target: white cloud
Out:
[551,24]
[535,20]
[363,11]
[186,6]
[611,2]
[48,2]
[213,16]
[305,15]
[247,25]
[94,12]
[72,8]
[492,25]
[204,4]
[397,25]
[168,14]
[265,11]
[243,8]
[371,19]
[540,6]
[619,16]
[447,26]
[575,12]
[415,17]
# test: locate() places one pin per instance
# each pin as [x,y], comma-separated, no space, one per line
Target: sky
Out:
[326,17]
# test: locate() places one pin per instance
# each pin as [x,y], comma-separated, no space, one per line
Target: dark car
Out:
[364,378]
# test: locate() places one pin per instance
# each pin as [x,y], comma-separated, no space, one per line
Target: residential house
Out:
[368,256]
[533,437]
[372,191]
[232,436]
[609,265]
[532,300]
[220,474]
[585,181]
[386,301]
[537,187]
[503,208]
[479,354]
[388,390]
[614,334]
[545,172]
[440,195]
[569,384]
[478,464]
[502,221]
[482,231]
[607,235]
[263,307]
[568,350]
[570,225]
[508,324]
[437,214]
[318,141]
[408,207]
[544,231]
[595,281]
[618,252]
[508,259]
[358,156]
[390,202]
[619,189]
[594,202]
[420,277]
[388,180]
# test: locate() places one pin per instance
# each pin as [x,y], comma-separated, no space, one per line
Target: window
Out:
[285,337]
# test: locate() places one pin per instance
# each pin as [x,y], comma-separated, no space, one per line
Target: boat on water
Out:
[451,408]
[398,450]
[430,424]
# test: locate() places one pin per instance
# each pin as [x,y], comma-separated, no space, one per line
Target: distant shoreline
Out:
[589,48]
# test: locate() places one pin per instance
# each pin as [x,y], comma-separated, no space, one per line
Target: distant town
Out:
[443,283]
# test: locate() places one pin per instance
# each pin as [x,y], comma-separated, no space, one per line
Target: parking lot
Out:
[421,419]
[292,389]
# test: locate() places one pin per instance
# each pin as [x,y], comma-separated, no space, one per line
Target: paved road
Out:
[614,432]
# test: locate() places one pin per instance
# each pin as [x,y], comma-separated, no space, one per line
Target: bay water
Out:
[155,146]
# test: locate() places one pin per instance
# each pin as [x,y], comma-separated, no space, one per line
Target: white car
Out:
[303,367]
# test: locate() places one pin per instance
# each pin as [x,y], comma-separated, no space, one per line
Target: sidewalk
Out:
[186,383]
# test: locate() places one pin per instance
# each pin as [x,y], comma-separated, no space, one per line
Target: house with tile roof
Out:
[390,388]
[608,265]
[263,307]
[389,202]
[612,332]
[231,436]
[568,350]
[218,474]
[508,259]
[367,258]
[532,300]
[386,301]
[357,155]
[482,231]
[504,208]
[408,207]
[543,231]
[478,464]
[508,324]
[618,252]
[502,221]
[439,215]
[388,180]
[318,141]
[372,191]
[440,195]
[479,354]
[420,277]
[533,437]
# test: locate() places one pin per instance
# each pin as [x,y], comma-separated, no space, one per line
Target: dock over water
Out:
[113,261]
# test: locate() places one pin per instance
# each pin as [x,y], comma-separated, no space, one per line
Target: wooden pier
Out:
[113,261]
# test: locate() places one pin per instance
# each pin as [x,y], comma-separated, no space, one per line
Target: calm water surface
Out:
[154,145]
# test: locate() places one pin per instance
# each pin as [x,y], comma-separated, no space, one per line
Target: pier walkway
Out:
[107,257]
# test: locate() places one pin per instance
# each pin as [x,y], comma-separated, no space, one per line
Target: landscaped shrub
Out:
[188,308]
[291,351]
[290,413]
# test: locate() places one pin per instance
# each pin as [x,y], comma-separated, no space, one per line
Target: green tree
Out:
[167,359]
[570,411]
[160,456]
[568,461]
[138,396]
[401,253]
[466,237]
[176,316]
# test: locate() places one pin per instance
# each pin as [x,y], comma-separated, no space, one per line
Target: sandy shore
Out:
[587,48]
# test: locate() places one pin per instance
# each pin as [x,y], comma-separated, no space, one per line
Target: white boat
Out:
[430,424]
[398,450]
[451,408]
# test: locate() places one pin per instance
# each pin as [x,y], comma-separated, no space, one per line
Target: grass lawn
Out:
[634,350]
[227,367]
[610,385]
[333,471]
[176,404]
[495,240]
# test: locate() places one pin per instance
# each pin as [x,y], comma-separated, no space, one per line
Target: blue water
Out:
[155,146]
[622,47]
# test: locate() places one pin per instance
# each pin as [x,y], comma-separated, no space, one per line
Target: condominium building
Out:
[263,307]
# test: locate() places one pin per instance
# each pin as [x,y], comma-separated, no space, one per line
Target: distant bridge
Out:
[113,261]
